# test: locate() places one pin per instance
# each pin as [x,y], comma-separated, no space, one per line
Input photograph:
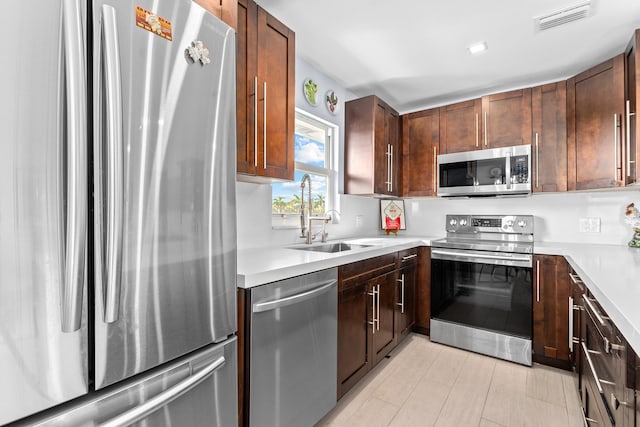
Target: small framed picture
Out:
[392,215]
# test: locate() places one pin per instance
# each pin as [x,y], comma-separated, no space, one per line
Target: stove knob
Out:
[463,222]
[509,223]
[453,222]
[522,223]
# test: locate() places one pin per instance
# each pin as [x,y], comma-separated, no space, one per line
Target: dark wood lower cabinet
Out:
[551,291]
[406,294]
[423,291]
[354,305]
[382,333]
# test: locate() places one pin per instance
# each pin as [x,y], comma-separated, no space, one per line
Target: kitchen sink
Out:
[331,247]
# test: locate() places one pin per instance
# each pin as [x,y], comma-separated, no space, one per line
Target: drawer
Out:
[408,257]
[355,272]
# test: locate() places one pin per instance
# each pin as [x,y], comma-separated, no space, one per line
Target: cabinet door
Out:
[461,126]
[551,310]
[632,124]
[405,301]
[420,146]
[246,85]
[385,140]
[506,119]
[383,334]
[355,311]
[276,101]
[226,10]
[595,103]
[549,105]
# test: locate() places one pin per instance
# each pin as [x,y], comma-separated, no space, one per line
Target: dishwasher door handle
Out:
[294,299]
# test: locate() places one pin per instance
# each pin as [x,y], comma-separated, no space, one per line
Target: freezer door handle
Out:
[294,299]
[114,144]
[140,412]
[76,129]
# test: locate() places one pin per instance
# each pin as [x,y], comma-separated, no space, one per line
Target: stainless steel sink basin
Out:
[331,247]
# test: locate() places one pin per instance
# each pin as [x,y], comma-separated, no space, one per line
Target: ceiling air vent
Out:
[563,16]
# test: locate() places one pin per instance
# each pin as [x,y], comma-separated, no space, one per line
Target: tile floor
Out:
[425,383]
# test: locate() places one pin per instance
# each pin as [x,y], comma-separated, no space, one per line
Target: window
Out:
[314,152]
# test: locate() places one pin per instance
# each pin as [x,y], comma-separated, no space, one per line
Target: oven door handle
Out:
[518,260]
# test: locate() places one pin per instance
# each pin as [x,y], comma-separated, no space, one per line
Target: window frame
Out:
[330,171]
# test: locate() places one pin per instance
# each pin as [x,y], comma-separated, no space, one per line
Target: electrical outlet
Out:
[589,225]
[359,219]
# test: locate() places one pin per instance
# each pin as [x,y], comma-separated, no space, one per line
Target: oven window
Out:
[475,172]
[492,297]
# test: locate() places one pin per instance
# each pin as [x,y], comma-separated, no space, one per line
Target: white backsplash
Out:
[557,216]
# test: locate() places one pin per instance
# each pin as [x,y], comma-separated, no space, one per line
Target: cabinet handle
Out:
[388,167]
[575,279]
[629,114]
[373,310]
[615,146]
[264,128]
[255,121]
[591,420]
[537,280]
[391,168]
[591,367]
[485,128]
[401,303]
[477,130]
[408,257]
[589,304]
[435,170]
[378,311]
[571,337]
[537,161]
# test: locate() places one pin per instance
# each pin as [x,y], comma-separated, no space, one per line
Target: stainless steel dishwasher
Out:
[293,350]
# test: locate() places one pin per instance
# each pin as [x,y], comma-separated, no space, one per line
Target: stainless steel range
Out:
[481,285]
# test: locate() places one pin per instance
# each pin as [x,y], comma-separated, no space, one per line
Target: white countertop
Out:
[611,272]
[265,265]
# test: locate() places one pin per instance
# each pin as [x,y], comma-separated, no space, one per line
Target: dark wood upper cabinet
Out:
[595,107]
[506,119]
[550,310]
[226,10]
[549,106]
[420,147]
[632,124]
[372,148]
[265,96]
[461,126]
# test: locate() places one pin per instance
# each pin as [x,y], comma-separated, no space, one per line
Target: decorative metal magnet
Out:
[197,51]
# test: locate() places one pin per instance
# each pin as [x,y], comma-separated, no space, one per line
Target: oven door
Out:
[485,290]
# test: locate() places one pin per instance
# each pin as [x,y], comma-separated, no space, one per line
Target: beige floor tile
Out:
[539,413]
[423,405]
[506,397]
[573,404]
[545,383]
[487,423]
[373,413]
[447,366]
[467,397]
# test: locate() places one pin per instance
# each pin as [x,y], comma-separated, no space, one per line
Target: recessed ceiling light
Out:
[477,48]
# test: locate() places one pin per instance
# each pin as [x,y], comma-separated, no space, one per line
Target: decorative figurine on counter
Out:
[632,217]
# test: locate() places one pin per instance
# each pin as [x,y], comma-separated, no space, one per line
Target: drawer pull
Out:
[408,257]
[589,304]
[591,367]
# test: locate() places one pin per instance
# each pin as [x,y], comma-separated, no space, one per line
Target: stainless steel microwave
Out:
[496,171]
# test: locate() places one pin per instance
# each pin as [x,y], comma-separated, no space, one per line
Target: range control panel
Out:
[512,224]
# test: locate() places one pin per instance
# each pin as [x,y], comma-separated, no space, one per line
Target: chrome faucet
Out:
[306,219]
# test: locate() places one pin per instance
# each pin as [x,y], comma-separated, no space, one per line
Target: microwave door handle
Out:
[76,129]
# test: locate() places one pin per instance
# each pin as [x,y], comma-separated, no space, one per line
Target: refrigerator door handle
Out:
[76,129]
[114,211]
[140,412]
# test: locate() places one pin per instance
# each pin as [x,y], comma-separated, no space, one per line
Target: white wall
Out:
[556,214]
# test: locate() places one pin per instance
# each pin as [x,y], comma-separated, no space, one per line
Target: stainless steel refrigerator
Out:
[117,214]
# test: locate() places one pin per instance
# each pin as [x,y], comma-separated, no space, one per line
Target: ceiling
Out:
[413,53]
